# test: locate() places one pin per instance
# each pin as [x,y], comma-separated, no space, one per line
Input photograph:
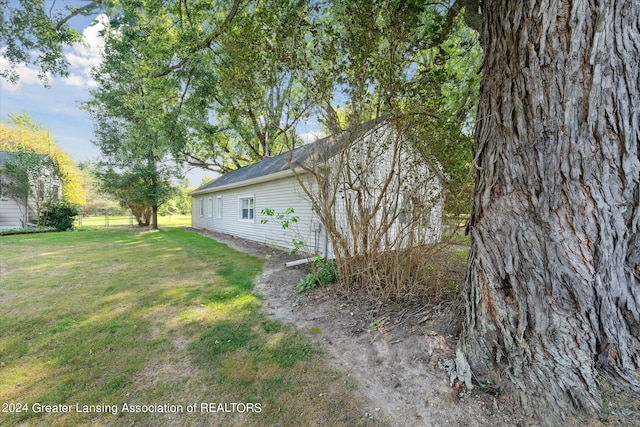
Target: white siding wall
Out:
[277,195]
[374,154]
[10,213]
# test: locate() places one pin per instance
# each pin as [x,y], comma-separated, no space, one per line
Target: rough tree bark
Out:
[553,285]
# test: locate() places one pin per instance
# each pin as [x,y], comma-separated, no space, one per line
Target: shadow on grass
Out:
[97,318]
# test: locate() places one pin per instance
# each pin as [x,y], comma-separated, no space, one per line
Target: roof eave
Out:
[258,180]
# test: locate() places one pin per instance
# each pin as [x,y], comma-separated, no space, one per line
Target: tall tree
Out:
[410,61]
[141,186]
[243,97]
[131,125]
[552,293]
[19,132]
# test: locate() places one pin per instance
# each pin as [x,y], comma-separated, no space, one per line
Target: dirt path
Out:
[389,353]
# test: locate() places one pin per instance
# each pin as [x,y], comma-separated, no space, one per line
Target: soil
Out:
[388,352]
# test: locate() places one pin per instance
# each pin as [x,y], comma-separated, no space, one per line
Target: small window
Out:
[202,207]
[246,209]
[210,207]
[219,206]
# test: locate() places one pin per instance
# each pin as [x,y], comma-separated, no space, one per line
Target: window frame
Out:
[251,208]
[219,206]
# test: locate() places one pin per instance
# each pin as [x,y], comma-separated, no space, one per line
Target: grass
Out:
[95,320]
[128,220]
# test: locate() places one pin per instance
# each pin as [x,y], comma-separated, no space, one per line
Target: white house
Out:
[233,203]
[22,210]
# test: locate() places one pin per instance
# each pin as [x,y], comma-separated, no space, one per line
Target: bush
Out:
[24,230]
[323,272]
[60,215]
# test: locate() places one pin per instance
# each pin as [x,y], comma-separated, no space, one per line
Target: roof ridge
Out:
[300,154]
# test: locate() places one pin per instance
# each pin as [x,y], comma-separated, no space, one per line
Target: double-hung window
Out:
[246,209]
[210,207]
[219,207]
[202,206]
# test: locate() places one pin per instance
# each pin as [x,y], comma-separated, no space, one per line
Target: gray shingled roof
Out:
[313,153]
[4,155]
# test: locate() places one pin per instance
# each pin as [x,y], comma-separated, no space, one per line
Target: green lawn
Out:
[128,220]
[92,321]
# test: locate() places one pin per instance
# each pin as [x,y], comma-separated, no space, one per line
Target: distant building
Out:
[21,210]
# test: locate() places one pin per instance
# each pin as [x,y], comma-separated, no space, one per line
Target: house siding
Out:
[374,171]
[10,213]
[278,195]
[387,173]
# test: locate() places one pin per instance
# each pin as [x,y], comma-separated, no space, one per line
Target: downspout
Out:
[326,235]
[326,243]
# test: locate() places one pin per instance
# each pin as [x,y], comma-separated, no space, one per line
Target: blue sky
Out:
[57,107]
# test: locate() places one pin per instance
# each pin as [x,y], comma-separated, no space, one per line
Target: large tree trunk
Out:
[154,217]
[553,286]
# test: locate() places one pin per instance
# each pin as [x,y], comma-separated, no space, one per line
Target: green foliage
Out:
[246,99]
[139,187]
[34,32]
[223,84]
[19,133]
[60,215]
[323,273]
[285,219]
[416,64]
[133,125]
[180,201]
[97,202]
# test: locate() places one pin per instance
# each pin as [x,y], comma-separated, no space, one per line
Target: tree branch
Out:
[206,43]
[471,17]
[76,12]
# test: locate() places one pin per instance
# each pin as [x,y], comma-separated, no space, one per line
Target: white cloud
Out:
[80,61]
[26,75]
[93,33]
[82,56]
[75,80]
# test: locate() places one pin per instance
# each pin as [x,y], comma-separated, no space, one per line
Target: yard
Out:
[129,220]
[123,327]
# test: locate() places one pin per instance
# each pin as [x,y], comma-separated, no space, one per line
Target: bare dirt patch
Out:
[387,352]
